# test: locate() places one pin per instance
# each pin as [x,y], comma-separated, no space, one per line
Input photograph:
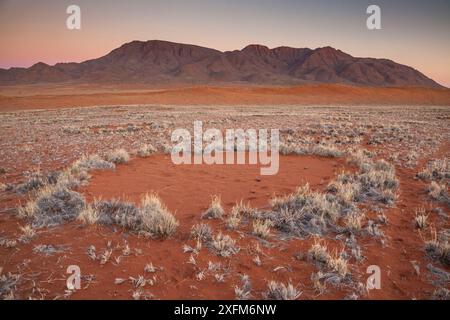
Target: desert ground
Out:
[87,180]
[45,96]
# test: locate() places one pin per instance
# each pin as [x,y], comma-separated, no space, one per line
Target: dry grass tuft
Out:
[155,218]
[281,291]
[28,233]
[304,212]
[436,170]
[146,150]
[202,231]
[91,162]
[118,156]
[438,249]
[318,254]
[420,219]
[8,285]
[151,219]
[354,222]
[261,228]
[243,292]
[53,205]
[326,150]
[224,245]
[215,210]
[438,192]
[336,264]
[88,215]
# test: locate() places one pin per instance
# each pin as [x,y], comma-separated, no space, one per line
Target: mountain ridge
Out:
[164,62]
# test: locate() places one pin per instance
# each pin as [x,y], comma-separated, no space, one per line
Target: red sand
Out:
[57,96]
[186,190]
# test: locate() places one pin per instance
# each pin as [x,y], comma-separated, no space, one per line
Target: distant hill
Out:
[162,62]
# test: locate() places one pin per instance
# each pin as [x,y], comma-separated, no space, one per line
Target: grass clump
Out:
[8,285]
[115,211]
[238,212]
[335,265]
[438,192]
[224,245]
[151,218]
[281,291]
[233,220]
[156,218]
[243,292]
[436,170]
[438,248]
[420,219]
[261,228]
[28,233]
[376,182]
[202,232]
[53,205]
[318,254]
[215,210]
[146,150]
[91,162]
[303,212]
[326,150]
[118,156]
[88,215]
[36,180]
[353,222]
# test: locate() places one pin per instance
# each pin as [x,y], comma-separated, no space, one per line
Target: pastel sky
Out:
[414,32]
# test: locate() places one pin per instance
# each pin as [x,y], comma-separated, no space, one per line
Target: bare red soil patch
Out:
[187,189]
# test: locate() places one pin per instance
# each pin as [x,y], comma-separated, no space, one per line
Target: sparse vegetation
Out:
[243,292]
[146,150]
[28,233]
[346,212]
[233,220]
[438,192]
[215,210]
[202,231]
[224,245]
[53,205]
[438,249]
[326,150]
[88,215]
[281,291]
[8,285]
[335,265]
[118,156]
[151,219]
[262,228]
[155,218]
[436,170]
[34,181]
[420,219]
[91,162]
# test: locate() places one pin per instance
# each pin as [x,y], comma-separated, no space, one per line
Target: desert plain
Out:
[87,179]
